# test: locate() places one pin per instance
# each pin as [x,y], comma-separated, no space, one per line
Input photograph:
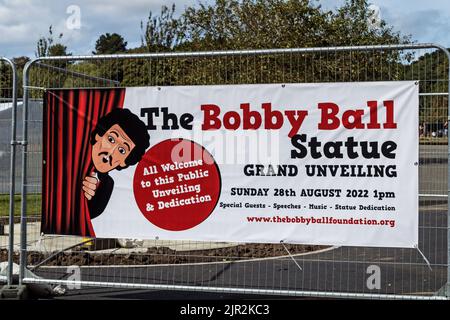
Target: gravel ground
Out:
[164,255]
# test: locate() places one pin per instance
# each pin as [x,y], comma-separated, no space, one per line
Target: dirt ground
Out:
[163,255]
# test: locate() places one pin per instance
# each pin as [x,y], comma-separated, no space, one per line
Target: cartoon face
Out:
[112,149]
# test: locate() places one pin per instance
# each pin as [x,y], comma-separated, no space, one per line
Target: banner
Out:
[326,163]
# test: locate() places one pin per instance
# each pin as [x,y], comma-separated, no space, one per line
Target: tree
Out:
[261,24]
[161,33]
[58,49]
[46,46]
[432,69]
[352,24]
[257,24]
[20,63]
[110,43]
[6,79]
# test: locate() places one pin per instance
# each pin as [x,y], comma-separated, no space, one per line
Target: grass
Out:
[33,204]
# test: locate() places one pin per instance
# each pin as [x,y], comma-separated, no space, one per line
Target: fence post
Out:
[447,290]
[23,210]
[447,285]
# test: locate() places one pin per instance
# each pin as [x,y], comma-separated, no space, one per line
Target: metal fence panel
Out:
[8,142]
[242,267]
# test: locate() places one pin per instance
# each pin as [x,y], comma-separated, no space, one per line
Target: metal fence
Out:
[248,268]
[8,142]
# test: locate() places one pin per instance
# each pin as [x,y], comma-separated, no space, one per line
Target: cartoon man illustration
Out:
[119,140]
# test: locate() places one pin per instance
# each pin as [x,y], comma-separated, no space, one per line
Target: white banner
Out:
[325,164]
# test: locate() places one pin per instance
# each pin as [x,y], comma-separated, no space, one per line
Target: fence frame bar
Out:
[78,74]
[12,168]
[26,71]
[275,292]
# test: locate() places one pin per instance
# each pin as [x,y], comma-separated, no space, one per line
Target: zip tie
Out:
[32,87]
[290,255]
[424,258]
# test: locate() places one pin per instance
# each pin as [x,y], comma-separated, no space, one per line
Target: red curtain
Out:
[69,118]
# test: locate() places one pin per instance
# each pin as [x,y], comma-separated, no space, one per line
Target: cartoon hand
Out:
[89,186]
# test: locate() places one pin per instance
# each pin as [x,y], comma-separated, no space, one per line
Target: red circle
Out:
[177,184]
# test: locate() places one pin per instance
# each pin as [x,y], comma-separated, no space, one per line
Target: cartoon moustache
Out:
[106,158]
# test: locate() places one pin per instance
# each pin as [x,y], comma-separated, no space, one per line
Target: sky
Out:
[23,22]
